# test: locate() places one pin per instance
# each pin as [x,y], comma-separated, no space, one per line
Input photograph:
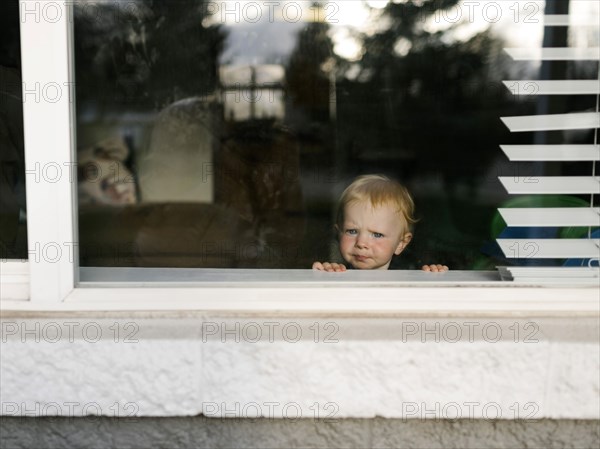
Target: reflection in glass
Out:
[13,230]
[219,134]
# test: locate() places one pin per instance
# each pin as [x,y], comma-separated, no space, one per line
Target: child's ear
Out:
[336,228]
[403,243]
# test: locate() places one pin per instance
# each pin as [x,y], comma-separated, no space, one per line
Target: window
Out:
[53,225]
[229,151]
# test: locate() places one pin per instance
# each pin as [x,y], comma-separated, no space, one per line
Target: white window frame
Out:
[49,127]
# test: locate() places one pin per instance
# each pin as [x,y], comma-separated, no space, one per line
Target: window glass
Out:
[13,231]
[220,134]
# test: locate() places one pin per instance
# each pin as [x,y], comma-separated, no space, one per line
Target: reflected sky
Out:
[252,42]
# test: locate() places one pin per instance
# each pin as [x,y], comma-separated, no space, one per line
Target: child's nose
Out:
[361,241]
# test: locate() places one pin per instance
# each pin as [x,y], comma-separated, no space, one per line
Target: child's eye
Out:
[351,231]
[377,235]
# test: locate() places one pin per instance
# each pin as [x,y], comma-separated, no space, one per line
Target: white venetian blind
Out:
[587,248]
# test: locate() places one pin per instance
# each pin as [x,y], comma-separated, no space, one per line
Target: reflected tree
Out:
[429,103]
[309,115]
[308,75]
[131,54]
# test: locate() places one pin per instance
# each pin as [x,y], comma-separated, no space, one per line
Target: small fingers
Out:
[334,267]
[318,266]
[340,267]
[435,268]
[327,266]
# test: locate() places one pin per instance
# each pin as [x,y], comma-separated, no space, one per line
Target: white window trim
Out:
[49,148]
[52,222]
[14,278]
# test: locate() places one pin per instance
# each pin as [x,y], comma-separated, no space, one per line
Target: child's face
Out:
[370,236]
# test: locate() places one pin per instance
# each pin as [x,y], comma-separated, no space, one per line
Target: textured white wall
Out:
[337,368]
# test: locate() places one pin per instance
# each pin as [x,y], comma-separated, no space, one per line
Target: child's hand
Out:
[327,266]
[435,268]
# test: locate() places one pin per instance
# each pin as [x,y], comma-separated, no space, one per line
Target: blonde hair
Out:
[378,190]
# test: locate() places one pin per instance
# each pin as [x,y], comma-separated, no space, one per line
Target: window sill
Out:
[308,292]
[93,277]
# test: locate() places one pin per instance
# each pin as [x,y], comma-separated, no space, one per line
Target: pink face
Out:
[370,236]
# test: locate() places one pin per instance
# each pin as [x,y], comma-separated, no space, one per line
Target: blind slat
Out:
[554,87]
[547,185]
[551,216]
[552,152]
[550,248]
[554,54]
[552,122]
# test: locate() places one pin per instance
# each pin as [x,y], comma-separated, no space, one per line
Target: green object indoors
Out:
[498,223]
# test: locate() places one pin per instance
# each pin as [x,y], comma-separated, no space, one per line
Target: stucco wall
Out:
[286,367]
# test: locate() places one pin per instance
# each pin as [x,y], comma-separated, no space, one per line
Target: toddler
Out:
[373,221]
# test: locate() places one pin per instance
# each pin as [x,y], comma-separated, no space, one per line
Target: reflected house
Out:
[252,92]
